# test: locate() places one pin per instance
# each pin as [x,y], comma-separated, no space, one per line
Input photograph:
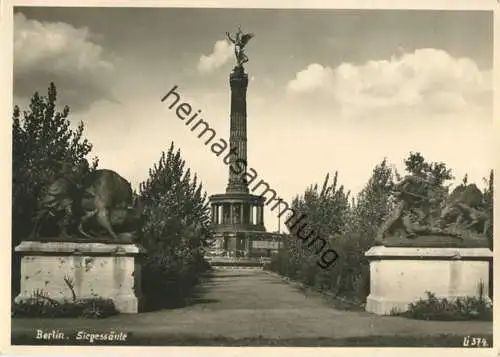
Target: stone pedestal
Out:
[402,275]
[94,270]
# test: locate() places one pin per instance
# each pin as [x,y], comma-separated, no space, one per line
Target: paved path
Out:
[253,303]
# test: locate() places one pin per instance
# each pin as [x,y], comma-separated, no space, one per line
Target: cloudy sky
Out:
[330,89]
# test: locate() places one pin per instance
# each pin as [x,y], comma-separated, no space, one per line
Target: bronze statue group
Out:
[420,211]
[78,200]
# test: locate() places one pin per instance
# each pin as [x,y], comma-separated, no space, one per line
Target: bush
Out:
[82,308]
[433,308]
[175,233]
[348,226]
[170,284]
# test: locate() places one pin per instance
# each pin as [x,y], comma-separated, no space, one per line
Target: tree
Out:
[488,200]
[437,173]
[488,203]
[176,231]
[372,206]
[42,140]
[417,165]
[373,202]
[349,227]
[326,210]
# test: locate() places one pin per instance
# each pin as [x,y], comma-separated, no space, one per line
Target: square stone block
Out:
[400,275]
[94,270]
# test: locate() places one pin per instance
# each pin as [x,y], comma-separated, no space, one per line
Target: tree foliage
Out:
[437,175]
[488,201]
[43,145]
[326,210]
[417,165]
[176,230]
[367,213]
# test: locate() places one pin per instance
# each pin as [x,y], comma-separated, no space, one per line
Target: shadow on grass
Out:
[178,299]
[330,300]
[199,300]
[196,297]
[186,340]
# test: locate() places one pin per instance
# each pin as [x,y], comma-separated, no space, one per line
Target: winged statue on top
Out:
[240,40]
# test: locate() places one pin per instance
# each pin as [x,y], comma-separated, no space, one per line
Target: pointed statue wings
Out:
[245,38]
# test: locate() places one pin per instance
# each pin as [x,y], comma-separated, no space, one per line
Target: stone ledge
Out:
[405,253]
[128,304]
[383,306]
[72,248]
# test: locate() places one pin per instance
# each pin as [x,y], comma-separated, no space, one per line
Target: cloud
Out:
[59,52]
[222,53]
[425,81]
[314,77]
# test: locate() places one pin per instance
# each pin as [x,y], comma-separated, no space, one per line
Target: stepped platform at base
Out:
[257,262]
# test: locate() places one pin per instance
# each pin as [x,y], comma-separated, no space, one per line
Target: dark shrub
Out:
[433,308]
[175,233]
[84,308]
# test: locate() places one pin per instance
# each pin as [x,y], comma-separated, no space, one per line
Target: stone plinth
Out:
[402,275]
[104,270]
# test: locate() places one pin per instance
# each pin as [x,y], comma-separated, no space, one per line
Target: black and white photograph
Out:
[251,176]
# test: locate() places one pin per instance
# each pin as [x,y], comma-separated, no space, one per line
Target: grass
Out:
[459,309]
[43,306]
[189,340]
[335,301]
